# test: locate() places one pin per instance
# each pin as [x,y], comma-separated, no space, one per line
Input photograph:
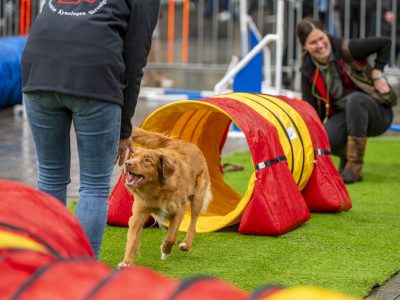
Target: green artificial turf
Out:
[348,252]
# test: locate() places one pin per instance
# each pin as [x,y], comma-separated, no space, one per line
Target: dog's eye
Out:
[146,160]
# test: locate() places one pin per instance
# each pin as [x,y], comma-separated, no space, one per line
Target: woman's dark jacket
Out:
[360,50]
[92,49]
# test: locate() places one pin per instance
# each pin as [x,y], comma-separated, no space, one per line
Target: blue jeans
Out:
[97,127]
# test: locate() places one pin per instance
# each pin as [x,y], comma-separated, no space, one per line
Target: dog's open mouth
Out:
[134,180]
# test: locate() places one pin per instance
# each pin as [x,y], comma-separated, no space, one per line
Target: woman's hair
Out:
[306,26]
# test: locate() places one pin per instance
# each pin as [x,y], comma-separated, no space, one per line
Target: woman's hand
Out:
[124,145]
[380,82]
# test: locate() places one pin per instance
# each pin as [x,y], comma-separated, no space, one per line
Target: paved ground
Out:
[390,290]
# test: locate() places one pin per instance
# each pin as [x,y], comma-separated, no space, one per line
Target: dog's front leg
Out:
[172,236]
[136,223]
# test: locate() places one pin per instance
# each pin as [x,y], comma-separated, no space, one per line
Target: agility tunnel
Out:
[293,171]
[34,275]
[32,220]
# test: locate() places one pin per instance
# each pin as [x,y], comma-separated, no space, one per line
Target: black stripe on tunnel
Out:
[297,131]
[34,236]
[268,163]
[282,126]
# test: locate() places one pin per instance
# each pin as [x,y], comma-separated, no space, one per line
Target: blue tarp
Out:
[10,70]
[249,79]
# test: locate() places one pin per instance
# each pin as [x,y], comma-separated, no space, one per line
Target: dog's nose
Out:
[128,164]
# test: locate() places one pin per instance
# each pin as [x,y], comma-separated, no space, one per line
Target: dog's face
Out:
[144,166]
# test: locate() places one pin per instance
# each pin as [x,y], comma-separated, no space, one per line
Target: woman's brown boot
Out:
[355,159]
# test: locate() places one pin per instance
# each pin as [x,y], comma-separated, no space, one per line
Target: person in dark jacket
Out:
[391,24]
[351,17]
[82,65]
[350,115]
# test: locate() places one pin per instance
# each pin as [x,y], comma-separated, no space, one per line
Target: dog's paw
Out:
[164,256]
[123,265]
[184,247]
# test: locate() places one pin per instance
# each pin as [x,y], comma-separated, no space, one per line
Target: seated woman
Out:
[350,115]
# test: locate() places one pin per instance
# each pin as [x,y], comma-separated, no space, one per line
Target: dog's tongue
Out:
[134,179]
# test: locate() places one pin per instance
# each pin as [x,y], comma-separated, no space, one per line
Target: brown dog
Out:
[165,178]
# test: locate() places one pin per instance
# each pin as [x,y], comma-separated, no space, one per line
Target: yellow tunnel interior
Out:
[204,125]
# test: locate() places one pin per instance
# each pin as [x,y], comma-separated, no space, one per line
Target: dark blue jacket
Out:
[91,48]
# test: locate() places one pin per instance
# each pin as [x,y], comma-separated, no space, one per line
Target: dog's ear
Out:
[165,168]
[129,153]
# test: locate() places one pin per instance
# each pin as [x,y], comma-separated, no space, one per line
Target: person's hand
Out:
[380,82]
[125,147]
[381,85]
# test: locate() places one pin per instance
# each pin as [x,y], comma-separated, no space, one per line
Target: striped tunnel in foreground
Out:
[293,171]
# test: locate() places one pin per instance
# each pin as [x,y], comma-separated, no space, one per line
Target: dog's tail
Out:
[207,198]
[149,138]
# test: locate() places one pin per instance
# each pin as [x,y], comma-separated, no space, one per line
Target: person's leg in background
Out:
[336,129]
[97,127]
[50,123]
[208,10]
[365,118]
